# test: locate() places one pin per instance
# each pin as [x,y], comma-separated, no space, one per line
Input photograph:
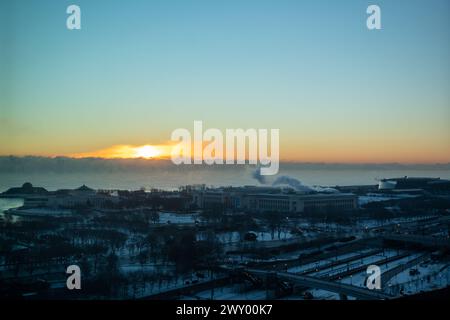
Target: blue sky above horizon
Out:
[137,70]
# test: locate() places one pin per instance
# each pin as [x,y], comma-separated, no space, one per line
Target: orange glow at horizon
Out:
[128,152]
[321,150]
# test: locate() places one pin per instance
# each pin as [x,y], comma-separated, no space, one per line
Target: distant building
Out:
[274,201]
[414,183]
[35,202]
[80,197]
[26,190]
[211,199]
[301,203]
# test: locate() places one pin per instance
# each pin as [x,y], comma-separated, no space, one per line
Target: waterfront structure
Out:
[69,199]
[27,189]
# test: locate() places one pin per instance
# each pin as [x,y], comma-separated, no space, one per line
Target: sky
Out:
[137,70]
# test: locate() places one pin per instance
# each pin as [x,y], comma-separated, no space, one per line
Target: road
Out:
[310,282]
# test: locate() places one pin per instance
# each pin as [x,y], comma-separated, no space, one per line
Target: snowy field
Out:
[235,237]
[431,276]
[177,218]
[375,197]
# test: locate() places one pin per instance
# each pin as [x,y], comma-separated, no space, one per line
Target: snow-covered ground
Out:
[375,197]
[359,278]
[321,263]
[177,218]
[431,276]
[168,283]
[235,237]
[364,261]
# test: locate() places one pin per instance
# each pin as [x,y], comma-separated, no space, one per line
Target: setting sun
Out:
[129,152]
[147,152]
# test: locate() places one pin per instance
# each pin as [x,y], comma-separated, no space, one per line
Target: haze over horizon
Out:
[57,173]
[30,161]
